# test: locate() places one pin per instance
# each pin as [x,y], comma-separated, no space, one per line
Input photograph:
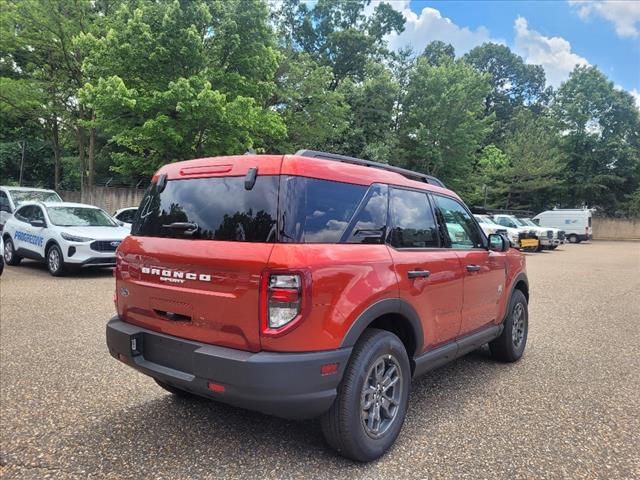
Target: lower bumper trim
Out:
[288,385]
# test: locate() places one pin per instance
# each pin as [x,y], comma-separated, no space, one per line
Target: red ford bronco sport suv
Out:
[310,285]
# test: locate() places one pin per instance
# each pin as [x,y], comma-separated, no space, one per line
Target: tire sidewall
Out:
[517,298]
[60,269]
[371,448]
[9,251]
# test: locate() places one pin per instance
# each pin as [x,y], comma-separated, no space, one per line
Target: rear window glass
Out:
[21,196]
[317,211]
[218,208]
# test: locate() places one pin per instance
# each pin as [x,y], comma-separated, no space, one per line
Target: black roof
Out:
[420,177]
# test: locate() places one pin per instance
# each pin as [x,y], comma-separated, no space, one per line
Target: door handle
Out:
[473,268]
[418,273]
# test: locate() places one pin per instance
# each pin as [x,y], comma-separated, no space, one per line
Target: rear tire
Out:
[55,261]
[178,392]
[10,255]
[367,415]
[509,346]
[573,238]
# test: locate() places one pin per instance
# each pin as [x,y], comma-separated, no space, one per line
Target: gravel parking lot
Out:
[570,408]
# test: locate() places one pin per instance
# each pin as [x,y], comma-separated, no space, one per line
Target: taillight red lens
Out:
[282,298]
[287,295]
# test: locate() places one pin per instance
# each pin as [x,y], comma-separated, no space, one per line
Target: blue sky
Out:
[555,34]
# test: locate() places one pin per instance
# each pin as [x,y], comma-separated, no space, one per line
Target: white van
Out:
[576,222]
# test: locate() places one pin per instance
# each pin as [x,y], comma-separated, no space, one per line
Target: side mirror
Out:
[37,223]
[498,243]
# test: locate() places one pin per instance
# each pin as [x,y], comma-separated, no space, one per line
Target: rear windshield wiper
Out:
[186,227]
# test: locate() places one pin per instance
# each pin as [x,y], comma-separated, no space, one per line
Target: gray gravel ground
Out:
[569,409]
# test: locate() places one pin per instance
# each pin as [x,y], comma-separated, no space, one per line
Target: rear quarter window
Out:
[317,211]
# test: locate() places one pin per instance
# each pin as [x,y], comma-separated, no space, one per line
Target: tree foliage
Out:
[95,88]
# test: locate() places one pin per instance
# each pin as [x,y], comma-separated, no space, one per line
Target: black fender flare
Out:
[384,307]
[522,276]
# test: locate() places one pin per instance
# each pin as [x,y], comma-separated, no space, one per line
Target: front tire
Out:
[10,255]
[509,346]
[55,261]
[368,413]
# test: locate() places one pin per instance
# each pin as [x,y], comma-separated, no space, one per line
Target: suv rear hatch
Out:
[200,241]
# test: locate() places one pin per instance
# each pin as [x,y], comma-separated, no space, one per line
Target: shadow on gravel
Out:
[194,433]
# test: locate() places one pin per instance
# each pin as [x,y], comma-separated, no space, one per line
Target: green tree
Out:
[439,52]
[171,81]
[534,175]
[514,83]
[600,137]
[338,34]
[313,113]
[373,108]
[39,50]
[443,126]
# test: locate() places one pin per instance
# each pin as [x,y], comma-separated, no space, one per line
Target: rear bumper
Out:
[288,385]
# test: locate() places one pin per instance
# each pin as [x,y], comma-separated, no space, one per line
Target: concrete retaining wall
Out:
[615,229]
[107,198]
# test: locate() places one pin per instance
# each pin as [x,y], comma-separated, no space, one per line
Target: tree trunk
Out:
[23,147]
[55,143]
[81,140]
[92,150]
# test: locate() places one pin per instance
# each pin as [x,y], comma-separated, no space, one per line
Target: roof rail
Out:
[420,177]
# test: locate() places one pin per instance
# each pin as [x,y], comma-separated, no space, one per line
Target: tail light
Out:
[282,296]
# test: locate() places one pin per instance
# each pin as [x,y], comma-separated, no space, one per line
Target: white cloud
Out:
[553,53]
[422,29]
[625,15]
[636,95]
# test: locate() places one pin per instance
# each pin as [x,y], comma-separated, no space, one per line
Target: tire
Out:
[539,248]
[178,392]
[554,247]
[55,261]
[573,238]
[377,355]
[509,346]
[10,255]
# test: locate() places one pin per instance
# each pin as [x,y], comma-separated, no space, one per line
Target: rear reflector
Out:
[216,387]
[123,358]
[329,369]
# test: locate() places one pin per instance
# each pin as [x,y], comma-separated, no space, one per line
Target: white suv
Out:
[62,235]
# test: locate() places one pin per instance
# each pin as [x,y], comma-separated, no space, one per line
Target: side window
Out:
[4,203]
[506,222]
[36,214]
[368,226]
[127,216]
[462,230]
[24,214]
[412,222]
